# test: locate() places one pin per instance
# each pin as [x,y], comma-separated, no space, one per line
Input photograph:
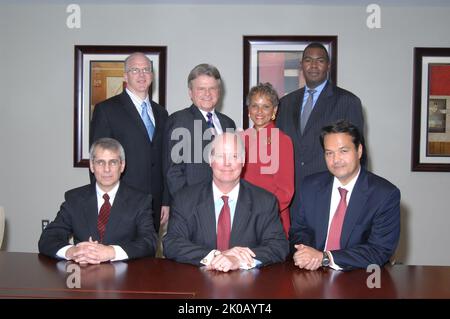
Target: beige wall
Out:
[36,108]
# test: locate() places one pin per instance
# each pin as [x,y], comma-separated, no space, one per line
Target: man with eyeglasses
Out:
[137,123]
[189,131]
[108,220]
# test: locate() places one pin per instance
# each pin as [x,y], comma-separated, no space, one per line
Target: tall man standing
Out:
[304,112]
[138,124]
[190,130]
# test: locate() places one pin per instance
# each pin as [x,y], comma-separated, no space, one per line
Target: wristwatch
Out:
[325,259]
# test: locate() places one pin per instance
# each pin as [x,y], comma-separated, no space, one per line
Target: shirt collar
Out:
[136,99]
[349,187]
[232,195]
[112,193]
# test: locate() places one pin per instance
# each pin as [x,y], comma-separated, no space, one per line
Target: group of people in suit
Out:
[293,184]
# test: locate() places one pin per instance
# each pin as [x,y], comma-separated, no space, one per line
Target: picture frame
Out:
[276,59]
[98,75]
[431,110]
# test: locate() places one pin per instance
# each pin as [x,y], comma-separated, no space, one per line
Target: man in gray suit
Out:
[190,130]
[303,113]
[226,223]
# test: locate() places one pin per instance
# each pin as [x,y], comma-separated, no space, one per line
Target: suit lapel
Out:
[297,111]
[323,202]
[355,207]
[157,114]
[131,110]
[241,215]
[90,212]
[206,215]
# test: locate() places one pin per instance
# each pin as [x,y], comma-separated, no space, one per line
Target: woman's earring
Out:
[273,117]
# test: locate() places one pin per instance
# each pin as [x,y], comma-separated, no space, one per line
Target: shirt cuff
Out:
[61,253]
[332,264]
[120,253]
[213,253]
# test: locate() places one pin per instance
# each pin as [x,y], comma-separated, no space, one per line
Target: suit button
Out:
[302,163]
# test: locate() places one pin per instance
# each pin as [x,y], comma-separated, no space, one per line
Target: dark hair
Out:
[317,45]
[344,126]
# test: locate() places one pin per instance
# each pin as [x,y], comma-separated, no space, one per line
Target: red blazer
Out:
[269,164]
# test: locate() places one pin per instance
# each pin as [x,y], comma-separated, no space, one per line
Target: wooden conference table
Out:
[29,275]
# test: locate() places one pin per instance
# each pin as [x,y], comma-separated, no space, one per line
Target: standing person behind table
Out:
[139,128]
[303,121]
[197,124]
[269,152]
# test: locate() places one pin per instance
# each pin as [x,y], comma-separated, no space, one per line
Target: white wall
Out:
[36,108]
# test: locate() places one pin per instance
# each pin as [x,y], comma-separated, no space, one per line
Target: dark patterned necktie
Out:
[103,216]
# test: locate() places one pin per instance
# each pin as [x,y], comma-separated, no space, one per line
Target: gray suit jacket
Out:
[192,227]
[193,169]
[130,224]
[333,104]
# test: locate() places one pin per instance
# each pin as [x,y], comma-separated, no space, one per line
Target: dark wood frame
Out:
[249,41]
[417,130]
[80,159]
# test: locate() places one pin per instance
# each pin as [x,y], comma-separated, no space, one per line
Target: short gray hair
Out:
[204,69]
[109,144]
[134,55]
[263,89]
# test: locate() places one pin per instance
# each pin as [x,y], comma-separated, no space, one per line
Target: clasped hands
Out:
[90,252]
[232,259]
[307,257]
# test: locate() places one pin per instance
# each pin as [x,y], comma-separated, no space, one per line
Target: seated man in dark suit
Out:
[226,223]
[108,220]
[348,217]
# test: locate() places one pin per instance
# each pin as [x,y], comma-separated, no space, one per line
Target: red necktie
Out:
[103,216]
[334,234]
[224,226]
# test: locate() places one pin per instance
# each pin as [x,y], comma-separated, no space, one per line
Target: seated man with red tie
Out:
[227,223]
[349,218]
[108,220]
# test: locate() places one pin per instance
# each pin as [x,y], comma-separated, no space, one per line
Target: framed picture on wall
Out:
[98,76]
[431,110]
[276,59]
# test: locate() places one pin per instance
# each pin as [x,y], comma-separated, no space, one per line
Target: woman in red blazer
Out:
[269,152]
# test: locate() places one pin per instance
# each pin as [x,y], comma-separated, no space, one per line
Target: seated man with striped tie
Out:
[348,218]
[226,223]
[108,220]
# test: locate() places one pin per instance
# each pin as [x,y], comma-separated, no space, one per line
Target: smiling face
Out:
[315,66]
[342,156]
[107,168]
[205,92]
[261,110]
[227,159]
[139,82]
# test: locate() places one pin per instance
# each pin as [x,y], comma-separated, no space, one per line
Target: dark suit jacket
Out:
[192,227]
[130,223]
[333,104]
[118,118]
[195,169]
[371,228]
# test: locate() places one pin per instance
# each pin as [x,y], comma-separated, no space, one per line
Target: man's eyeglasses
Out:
[137,70]
[110,163]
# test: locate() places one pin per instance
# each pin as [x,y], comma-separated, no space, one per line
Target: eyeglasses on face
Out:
[138,71]
[110,163]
